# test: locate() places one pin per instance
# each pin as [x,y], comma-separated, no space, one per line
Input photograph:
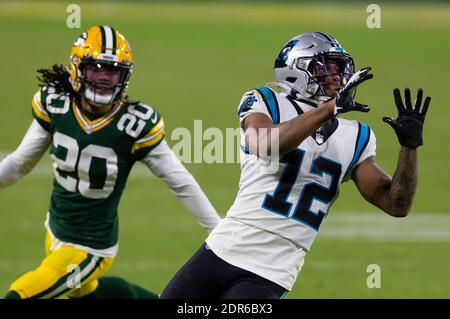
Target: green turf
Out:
[193,61]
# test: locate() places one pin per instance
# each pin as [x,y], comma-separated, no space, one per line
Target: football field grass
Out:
[193,61]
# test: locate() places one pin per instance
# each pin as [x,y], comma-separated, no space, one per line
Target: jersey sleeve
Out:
[39,109]
[370,149]
[151,136]
[365,146]
[26,156]
[261,100]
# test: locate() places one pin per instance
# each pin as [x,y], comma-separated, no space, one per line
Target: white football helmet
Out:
[307,52]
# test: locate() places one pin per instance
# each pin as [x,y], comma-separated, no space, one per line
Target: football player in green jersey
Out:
[95,135]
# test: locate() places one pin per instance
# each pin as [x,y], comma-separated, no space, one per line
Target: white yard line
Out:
[378,226]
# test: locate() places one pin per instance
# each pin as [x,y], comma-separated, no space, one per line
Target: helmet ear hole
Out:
[291,79]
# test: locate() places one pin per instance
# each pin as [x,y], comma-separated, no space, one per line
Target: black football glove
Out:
[344,99]
[409,123]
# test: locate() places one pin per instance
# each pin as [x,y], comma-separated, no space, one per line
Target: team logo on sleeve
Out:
[247,104]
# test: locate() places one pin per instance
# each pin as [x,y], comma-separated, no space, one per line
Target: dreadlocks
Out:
[56,77]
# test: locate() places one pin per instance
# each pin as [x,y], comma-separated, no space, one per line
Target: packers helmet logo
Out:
[81,39]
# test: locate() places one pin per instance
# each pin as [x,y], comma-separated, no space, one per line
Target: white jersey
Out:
[276,215]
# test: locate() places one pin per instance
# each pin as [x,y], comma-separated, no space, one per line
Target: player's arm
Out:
[290,134]
[26,156]
[392,195]
[164,164]
[395,195]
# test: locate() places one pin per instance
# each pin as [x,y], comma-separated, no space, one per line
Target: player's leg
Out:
[97,286]
[62,271]
[91,284]
[203,276]
[74,272]
[254,287]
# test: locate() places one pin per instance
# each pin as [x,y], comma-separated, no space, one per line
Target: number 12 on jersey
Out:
[278,201]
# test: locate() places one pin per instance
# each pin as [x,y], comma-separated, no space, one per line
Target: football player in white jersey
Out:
[258,250]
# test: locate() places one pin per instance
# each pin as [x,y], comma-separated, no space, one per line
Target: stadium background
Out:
[193,60]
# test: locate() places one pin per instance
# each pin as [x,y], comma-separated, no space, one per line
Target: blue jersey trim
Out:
[361,142]
[245,149]
[271,103]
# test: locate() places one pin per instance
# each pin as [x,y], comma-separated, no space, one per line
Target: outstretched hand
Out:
[409,123]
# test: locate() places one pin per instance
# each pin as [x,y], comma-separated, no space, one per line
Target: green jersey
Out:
[91,163]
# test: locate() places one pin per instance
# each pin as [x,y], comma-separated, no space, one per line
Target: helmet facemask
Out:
[103,82]
[327,73]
